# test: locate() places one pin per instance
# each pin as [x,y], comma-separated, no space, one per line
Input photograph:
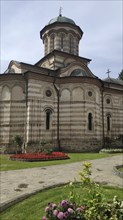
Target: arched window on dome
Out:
[46,45]
[62,41]
[77,45]
[71,44]
[52,42]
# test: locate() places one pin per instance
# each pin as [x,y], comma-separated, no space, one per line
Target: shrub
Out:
[18,140]
[94,208]
[46,147]
[106,150]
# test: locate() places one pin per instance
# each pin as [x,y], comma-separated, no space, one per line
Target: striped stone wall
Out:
[12,110]
[75,105]
[24,104]
[113,106]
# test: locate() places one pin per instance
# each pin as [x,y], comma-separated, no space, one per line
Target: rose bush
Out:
[94,207]
[64,210]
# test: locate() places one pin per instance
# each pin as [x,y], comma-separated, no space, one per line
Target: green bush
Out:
[18,141]
[94,207]
[106,150]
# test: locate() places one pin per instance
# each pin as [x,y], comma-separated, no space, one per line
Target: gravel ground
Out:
[18,184]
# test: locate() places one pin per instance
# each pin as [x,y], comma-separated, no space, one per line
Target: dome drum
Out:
[59,32]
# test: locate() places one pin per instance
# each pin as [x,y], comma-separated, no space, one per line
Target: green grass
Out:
[33,207]
[121,169]
[7,164]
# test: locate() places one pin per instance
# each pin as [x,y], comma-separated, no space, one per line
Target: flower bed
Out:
[93,207]
[30,157]
[64,210]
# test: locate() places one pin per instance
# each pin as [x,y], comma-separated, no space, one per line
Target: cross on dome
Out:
[60,11]
[108,72]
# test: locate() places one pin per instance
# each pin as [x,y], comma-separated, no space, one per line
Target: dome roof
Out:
[112,80]
[61,19]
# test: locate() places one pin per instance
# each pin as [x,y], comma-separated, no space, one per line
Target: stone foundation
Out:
[81,145]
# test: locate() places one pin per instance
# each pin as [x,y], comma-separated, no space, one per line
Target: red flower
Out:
[39,156]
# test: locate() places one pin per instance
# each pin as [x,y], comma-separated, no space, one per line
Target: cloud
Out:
[101,21]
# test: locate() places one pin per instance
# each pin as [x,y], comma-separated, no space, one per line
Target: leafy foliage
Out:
[95,205]
[120,75]
[18,141]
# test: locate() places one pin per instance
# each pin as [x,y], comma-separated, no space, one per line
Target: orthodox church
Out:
[59,99]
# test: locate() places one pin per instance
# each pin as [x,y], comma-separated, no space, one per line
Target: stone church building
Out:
[59,99]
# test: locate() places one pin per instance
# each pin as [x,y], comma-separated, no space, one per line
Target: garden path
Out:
[19,184]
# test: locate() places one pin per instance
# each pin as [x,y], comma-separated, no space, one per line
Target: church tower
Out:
[62,34]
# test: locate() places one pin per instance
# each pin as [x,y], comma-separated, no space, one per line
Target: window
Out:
[90,122]
[71,44]
[108,122]
[108,101]
[52,42]
[48,118]
[62,41]
[78,72]
[90,93]
[48,93]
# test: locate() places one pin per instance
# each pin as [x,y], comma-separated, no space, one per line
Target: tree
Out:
[120,75]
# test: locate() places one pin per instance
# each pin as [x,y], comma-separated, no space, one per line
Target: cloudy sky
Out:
[101,22]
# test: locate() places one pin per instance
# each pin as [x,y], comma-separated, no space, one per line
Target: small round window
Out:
[90,93]
[48,93]
[108,101]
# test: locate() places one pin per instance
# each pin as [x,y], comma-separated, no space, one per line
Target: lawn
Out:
[121,169]
[33,207]
[7,164]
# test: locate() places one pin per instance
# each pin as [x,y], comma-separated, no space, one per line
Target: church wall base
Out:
[79,145]
[66,145]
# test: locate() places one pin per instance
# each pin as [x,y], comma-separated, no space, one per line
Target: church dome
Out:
[112,80]
[61,19]
[62,34]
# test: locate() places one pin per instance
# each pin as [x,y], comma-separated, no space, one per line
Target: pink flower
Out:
[55,212]
[53,205]
[60,215]
[70,210]
[64,203]
[66,214]
[47,209]
[44,218]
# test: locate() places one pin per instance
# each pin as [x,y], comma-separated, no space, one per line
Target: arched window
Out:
[108,122]
[53,41]
[46,45]
[78,72]
[90,121]
[71,44]
[48,118]
[62,41]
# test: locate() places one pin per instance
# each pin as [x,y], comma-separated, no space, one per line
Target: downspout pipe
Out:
[103,132]
[58,99]
[26,100]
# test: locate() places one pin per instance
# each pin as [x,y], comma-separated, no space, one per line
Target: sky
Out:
[101,22]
